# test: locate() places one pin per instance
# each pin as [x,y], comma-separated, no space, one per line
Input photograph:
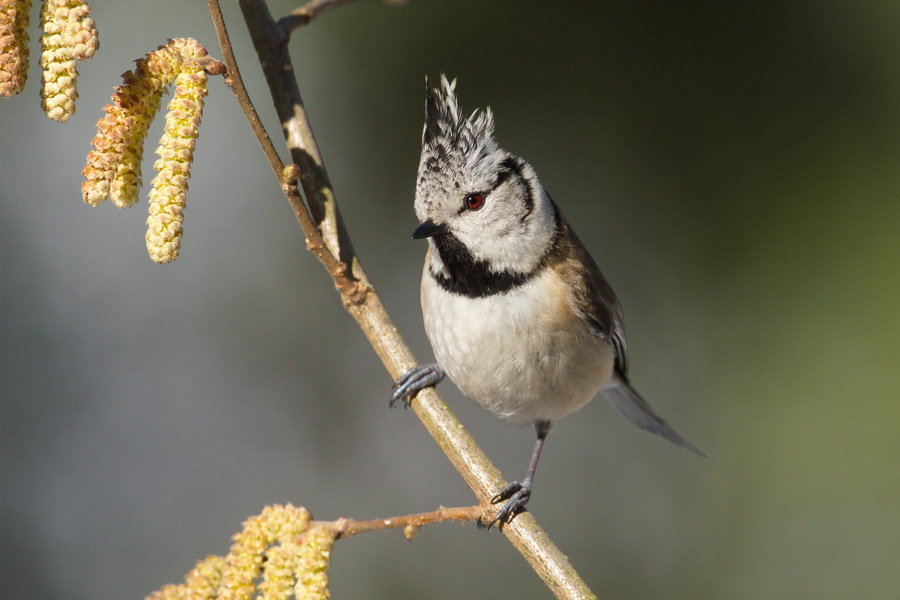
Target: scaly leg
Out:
[517,494]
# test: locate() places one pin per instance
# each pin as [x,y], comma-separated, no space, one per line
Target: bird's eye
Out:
[474,201]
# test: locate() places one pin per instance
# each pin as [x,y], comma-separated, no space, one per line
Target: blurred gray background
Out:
[733,167]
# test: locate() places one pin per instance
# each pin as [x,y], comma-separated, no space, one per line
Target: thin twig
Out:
[361,301]
[236,83]
[309,11]
[409,523]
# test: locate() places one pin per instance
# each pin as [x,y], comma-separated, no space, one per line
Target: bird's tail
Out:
[636,410]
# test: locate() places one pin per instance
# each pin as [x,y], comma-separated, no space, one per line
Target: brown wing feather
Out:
[595,301]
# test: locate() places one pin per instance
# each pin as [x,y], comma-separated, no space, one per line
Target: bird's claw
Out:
[415,380]
[516,495]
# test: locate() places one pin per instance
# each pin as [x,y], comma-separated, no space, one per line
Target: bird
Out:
[517,312]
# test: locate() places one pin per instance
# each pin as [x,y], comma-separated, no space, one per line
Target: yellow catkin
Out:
[279,572]
[244,561]
[119,142]
[170,591]
[69,35]
[159,68]
[14,18]
[312,571]
[113,167]
[108,146]
[276,555]
[202,583]
[176,153]
[126,181]
[205,580]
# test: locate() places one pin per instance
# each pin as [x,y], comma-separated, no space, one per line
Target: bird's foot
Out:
[415,380]
[516,496]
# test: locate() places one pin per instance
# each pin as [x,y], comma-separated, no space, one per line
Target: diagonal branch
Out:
[327,237]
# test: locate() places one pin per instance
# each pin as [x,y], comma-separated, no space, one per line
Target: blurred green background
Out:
[733,167]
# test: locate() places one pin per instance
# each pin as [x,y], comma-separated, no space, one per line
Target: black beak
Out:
[428,229]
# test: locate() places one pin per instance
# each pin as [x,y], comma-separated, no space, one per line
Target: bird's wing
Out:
[593,298]
[596,303]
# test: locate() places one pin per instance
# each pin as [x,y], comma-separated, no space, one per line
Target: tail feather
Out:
[637,412]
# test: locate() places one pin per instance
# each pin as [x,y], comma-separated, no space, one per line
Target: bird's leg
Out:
[517,494]
[415,380]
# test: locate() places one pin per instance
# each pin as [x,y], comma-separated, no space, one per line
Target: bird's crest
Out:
[451,142]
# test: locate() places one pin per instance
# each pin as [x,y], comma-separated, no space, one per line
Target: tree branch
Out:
[328,239]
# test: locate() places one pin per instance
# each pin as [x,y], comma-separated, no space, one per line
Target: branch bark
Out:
[327,237]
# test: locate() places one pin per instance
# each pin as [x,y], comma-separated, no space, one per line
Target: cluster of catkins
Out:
[113,168]
[279,554]
[69,35]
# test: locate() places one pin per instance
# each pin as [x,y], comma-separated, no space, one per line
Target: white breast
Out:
[523,355]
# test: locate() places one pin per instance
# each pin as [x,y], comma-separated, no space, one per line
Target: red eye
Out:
[474,201]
